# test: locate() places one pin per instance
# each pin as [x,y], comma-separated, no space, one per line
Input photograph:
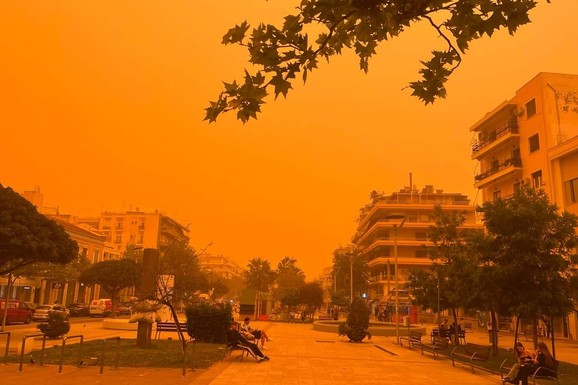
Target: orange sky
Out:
[101,106]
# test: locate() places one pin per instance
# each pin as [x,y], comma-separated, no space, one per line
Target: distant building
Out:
[220,265]
[532,139]
[139,229]
[375,237]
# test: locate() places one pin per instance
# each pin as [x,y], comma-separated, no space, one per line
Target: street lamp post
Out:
[351,261]
[396,228]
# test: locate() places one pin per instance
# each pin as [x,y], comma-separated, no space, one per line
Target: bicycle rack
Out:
[103,350]
[64,345]
[7,334]
[24,344]
[193,341]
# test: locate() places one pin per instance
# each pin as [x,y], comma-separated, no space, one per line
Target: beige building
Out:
[376,234]
[220,265]
[532,139]
[138,229]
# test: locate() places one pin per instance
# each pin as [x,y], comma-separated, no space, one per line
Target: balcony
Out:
[502,134]
[498,171]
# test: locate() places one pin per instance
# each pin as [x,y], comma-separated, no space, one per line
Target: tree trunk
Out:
[455,336]
[552,336]
[493,332]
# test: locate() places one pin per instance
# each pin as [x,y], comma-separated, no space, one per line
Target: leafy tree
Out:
[288,279]
[55,272]
[179,260]
[454,269]
[259,275]
[311,295]
[113,276]
[529,252]
[342,259]
[281,53]
[27,236]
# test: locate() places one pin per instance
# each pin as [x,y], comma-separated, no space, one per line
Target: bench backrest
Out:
[481,351]
[415,335]
[440,342]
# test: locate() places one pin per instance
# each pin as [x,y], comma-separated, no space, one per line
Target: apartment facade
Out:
[220,265]
[379,231]
[532,139]
[139,229]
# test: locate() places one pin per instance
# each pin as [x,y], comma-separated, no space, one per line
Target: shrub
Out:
[357,323]
[56,326]
[208,323]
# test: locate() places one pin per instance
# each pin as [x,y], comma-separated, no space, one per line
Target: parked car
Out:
[18,311]
[79,309]
[42,311]
[102,307]
[125,309]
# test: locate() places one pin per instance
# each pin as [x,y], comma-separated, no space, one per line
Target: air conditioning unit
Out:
[525,181]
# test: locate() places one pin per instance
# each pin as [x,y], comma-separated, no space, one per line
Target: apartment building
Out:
[380,229]
[532,139]
[139,229]
[220,265]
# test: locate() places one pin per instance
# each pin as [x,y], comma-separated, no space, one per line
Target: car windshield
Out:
[44,307]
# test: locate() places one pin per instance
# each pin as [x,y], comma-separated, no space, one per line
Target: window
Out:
[420,236]
[421,253]
[118,239]
[497,194]
[95,256]
[517,186]
[412,218]
[424,218]
[531,108]
[534,142]
[537,179]
[571,191]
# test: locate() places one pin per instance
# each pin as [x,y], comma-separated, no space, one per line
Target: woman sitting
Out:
[541,359]
[522,355]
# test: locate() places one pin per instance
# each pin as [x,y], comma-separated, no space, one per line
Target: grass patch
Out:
[160,354]
[567,372]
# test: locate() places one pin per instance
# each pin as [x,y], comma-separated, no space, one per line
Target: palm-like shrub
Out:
[357,323]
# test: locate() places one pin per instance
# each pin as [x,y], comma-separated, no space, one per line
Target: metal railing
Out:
[7,334]
[23,346]
[104,349]
[64,346]
[187,344]
[510,127]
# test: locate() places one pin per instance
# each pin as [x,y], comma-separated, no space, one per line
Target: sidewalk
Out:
[299,356]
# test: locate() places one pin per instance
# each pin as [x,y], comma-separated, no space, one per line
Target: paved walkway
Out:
[299,356]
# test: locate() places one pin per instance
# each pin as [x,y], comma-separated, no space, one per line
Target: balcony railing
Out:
[511,127]
[516,162]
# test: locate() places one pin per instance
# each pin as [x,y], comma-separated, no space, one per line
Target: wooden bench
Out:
[414,338]
[439,344]
[540,373]
[169,327]
[473,353]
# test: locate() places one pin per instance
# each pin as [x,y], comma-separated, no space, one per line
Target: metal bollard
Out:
[193,342]
[64,345]
[24,344]
[7,334]
[104,349]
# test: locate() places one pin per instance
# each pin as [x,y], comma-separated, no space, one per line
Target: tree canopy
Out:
[26,236]
[259,275]
[279,54]
[113,276]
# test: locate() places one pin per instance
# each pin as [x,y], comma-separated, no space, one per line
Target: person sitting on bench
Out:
[249,332]
[233,334]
